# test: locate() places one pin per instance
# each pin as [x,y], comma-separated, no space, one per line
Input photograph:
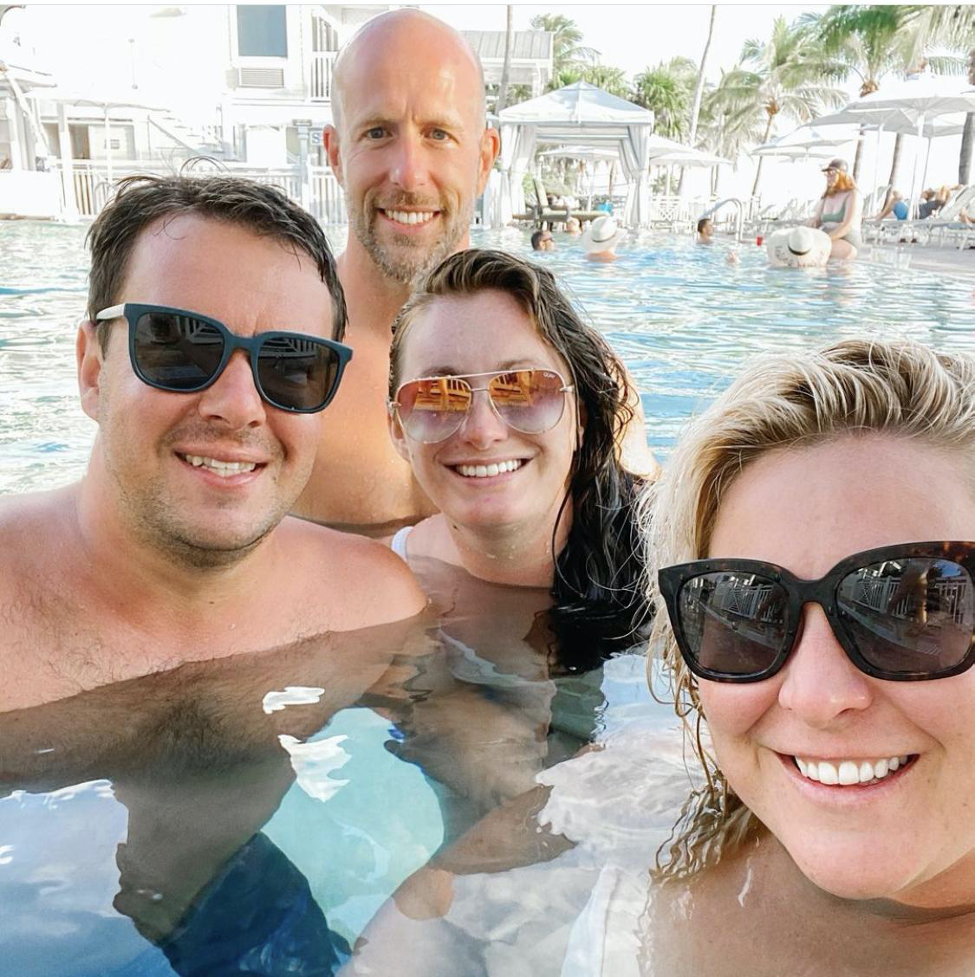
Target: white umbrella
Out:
[688,156]
[921,98]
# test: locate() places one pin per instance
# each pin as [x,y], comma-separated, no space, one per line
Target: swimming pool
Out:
[682,319]
[249,808]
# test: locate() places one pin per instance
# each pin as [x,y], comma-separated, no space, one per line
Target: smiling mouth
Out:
[409,218]
[488,471]
[850,773]
[224,469]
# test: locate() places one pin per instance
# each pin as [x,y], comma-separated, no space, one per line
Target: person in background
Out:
[816,610]
[543,241]
[704,231]
[410,146]
[573,227]
[839,213]
[601,239]
[896,206]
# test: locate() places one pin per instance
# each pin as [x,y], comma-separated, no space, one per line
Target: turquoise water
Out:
[682,319]
[244,815]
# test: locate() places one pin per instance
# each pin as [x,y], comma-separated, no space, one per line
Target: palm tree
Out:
[700,80]
[568,53]
[500,102]
[783,75]
[667,91]
[724,134]
[950,27]
[873,41]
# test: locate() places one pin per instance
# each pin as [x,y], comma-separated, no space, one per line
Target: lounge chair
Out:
[540,212]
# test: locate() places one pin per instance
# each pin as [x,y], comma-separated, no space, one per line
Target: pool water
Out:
[682,319]
[248,815]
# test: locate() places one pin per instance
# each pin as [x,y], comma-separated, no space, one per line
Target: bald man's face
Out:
[410,147]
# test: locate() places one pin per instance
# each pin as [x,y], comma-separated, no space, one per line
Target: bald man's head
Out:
[409,143]
[409,28]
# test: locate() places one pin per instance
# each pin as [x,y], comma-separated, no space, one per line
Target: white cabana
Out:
[580,114]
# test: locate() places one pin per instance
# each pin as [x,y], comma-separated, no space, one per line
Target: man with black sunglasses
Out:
[211,347]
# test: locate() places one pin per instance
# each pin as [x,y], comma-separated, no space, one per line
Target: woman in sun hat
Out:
[798,247]
[839,213]
[601,238]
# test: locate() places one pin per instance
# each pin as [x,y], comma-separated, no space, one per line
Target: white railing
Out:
[328,201]
[315,187]
[320,81]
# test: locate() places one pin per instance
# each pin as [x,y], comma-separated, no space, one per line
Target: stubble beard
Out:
[407,260]
[160,523]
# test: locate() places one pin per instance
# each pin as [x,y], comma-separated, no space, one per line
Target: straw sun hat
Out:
[602,235]
[798,247]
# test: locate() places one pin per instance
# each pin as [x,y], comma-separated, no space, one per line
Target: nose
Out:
[233,397]
[483,427]
[409,171]
[820,685]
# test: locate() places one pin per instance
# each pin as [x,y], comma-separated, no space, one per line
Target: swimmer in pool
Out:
[839,212]
[211,346]
[704,231]
[840,775]
[601,239]
[509,409]
[411,148]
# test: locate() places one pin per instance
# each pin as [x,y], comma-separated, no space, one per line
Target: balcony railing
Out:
[320,83]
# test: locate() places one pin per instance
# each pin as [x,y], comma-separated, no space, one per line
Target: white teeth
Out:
[488,471]
[848,772]
[223,468]
[409,216]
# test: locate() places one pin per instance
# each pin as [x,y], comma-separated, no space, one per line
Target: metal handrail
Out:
[739,213]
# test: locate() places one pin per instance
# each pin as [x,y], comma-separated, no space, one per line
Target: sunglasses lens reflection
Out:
[296,373]
[733,623]
[182,353]
[529,401]
[177,352]
[909,616]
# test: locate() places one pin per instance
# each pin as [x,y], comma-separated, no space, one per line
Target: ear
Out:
[488,150]
[330,140]
[88,355]
[397,436]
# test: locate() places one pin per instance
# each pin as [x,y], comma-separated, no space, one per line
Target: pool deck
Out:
[922,257]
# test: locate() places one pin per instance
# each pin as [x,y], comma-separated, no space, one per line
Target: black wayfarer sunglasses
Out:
[903,613]
[185,352]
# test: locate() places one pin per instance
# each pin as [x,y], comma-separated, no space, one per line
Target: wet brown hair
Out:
[140,201]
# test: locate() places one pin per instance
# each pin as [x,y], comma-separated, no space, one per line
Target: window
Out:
[261,31]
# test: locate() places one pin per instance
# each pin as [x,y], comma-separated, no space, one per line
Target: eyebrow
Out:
[379,119]
[451,371]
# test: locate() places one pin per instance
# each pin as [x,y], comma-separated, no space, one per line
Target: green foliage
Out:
[667,90]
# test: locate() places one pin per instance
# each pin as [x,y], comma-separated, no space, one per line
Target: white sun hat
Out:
[798,247]
[602,235]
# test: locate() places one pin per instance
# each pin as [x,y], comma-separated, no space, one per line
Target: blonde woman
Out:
[815,604]
[839,212]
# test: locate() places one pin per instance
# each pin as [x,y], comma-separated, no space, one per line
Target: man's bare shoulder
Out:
[366,582]
[29,525]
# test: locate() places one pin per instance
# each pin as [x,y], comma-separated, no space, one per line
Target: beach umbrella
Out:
[921,98]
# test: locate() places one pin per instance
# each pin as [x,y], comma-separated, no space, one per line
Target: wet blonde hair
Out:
[897,388]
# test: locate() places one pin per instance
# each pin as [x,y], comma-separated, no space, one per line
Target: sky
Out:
[632,37]
[637,36]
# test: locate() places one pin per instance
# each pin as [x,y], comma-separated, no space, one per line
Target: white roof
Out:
[579,106]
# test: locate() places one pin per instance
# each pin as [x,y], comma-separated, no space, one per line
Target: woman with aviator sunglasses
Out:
[814,530]
[509,409]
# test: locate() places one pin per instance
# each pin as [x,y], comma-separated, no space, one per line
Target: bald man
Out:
[411,149]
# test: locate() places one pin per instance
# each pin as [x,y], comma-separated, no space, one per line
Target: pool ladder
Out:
[739,213]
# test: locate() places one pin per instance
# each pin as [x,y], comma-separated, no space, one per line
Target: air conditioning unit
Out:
[260,78]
